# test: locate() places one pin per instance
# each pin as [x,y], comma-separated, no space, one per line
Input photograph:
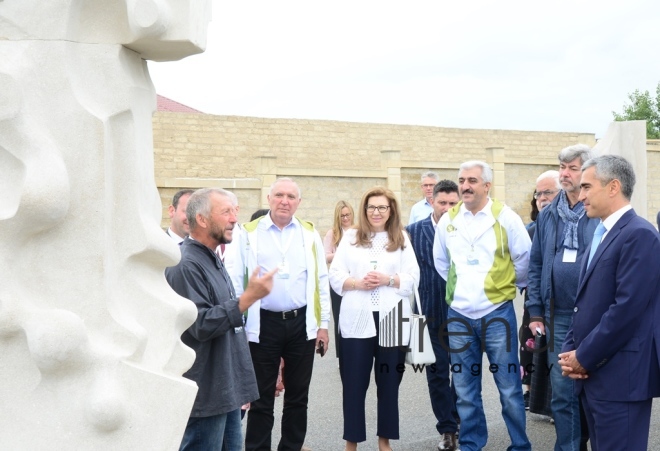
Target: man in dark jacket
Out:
[223,369]
[432,299]
[563,233]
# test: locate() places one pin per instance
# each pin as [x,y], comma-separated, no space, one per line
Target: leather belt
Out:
[289,314]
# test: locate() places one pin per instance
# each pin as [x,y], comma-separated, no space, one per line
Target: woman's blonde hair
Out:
[393,225]
[337,231]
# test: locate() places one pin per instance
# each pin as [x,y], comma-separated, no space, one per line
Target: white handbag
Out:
[420,349]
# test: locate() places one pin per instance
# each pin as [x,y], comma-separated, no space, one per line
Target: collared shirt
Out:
[177,239]
[435,224]
[467,248]
[613,219]
[420,211]
[285,250]
[473,220]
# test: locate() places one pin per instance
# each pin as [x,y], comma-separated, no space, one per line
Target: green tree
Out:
[643,107]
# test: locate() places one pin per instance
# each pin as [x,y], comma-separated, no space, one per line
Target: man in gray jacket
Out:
[223,369]
[563,234]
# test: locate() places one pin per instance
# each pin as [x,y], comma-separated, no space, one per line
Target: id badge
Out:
[283,270]
[472,260]
[570,255]
[373,264]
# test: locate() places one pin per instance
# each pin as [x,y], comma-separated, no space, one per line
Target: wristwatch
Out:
[391,284]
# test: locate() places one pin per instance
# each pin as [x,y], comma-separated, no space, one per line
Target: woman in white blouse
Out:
[375,270]
[343,221]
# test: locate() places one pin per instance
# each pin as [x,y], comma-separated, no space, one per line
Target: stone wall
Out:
[340,160]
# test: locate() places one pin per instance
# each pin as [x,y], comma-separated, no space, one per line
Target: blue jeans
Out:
[233,439]
[495,333]
[565,403]
[215,433]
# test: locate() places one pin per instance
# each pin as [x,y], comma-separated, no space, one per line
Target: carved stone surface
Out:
[90,350]
[628,139]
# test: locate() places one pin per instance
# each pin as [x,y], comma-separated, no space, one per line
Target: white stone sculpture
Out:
[628,139]
[90,350]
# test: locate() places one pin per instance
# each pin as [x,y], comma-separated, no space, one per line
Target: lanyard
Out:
[278,243]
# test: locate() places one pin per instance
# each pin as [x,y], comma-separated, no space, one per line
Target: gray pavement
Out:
[417,423]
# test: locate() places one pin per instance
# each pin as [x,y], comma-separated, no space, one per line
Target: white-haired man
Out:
[291,321]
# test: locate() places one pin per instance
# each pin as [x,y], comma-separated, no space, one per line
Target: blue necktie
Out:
[598,235]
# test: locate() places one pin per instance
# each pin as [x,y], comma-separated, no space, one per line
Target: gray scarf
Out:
[571,219]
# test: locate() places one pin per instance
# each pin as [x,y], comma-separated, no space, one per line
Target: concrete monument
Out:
[628,140]
[90,350]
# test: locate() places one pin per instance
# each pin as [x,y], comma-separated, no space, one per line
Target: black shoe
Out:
[448,442]
[526,399]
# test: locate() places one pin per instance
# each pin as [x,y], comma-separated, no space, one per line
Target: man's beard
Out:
[219,236]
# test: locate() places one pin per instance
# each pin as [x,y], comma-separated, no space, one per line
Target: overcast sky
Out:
[508,64]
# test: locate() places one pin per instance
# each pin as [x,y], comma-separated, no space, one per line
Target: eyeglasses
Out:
[546,193]
[347,215]
[381,209]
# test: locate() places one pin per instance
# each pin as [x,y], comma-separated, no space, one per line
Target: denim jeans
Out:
[215,433]
[233,439]
[565,403]
[496,334]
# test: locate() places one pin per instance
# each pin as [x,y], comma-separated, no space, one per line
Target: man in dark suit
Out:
[609,348]
[432,299]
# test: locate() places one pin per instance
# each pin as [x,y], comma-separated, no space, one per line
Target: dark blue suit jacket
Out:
[612,328]
[431,285]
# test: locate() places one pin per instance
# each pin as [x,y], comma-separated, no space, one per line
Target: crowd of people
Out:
[266,290]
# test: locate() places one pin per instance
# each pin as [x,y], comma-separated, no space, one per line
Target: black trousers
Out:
[287,339]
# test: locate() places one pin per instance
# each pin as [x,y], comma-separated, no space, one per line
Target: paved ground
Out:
[417,422]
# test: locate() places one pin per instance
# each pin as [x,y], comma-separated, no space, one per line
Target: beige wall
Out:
[340,160]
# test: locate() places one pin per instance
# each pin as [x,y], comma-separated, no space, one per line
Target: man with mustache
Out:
[563,233]
[481,249]
[222,369]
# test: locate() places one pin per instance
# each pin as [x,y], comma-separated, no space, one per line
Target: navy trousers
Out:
[437,376]
[358,357]
[617,425]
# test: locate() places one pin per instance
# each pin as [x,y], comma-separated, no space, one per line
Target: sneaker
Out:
[526,399]
[448,442]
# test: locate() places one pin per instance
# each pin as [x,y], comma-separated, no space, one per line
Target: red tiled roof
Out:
[165,104]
